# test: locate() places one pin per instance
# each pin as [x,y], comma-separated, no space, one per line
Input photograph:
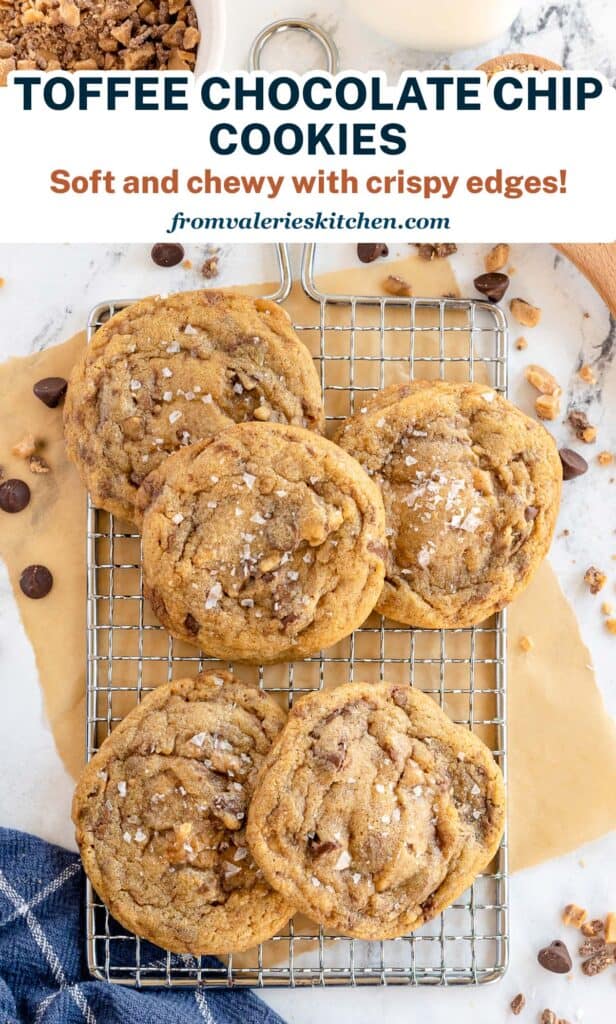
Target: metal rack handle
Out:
[294,25]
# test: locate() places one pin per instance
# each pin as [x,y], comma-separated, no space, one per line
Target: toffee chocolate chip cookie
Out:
[471,489]
[165,372]
[373,811]
[160,816]
[266,544]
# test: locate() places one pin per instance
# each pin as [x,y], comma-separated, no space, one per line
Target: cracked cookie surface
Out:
[373,811]
[160,816]
[471,488]
[166,372]
[263,545]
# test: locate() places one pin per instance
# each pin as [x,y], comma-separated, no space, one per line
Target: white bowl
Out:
[211,15]
[440,26]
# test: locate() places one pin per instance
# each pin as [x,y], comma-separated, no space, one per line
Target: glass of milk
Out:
[441,26]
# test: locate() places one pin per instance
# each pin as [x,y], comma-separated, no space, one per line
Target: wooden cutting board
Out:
[598,263]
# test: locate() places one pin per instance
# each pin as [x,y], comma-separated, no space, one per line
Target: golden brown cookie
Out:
[471,489]
[518,62]
[266,544]
[165,372]
[373,811]
[160,816]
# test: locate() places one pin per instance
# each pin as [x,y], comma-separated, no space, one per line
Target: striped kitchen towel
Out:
[43,974]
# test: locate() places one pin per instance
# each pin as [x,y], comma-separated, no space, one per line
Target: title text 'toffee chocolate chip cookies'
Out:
[160,816]
[373,811]
[264,545]
[165,372]
[471,489]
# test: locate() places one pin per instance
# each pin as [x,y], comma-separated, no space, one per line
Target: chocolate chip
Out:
[573,464]
[191,624]
[555,958]
[317,847]
[368,252]
[14,495]
[531,513]
[493,286]
[167,254]
[51,390]
[36,581]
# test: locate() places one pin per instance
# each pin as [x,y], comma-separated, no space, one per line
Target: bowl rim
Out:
[212,21]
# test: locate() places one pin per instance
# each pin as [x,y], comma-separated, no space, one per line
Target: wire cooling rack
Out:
[360,344]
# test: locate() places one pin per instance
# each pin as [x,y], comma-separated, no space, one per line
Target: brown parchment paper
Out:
[562,743]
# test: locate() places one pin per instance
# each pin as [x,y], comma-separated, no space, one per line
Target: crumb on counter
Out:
[595,579]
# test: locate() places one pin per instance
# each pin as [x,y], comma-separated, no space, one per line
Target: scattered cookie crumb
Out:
[574,915]
[595,579]
[2,282]
[605,458]
[25,448]
[607,608]
[512,270]
[585,373]
[187,264]
[521,344]
[526,643]
[611,625]
[518,1003]
[497,257]
[524,312]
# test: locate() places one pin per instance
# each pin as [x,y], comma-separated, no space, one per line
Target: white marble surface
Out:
[47,294]
[46,297]
[579,34]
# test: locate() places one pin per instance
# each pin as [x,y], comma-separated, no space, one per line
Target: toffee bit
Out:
[440,250]
[595,579]
[210,267]
[599,961]
[574,915]
[395,285]
[518,1003]
[25,448]
[497,258]
[524,312]
[38,464]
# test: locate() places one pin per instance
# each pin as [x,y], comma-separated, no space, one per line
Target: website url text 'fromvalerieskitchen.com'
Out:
[311,222]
